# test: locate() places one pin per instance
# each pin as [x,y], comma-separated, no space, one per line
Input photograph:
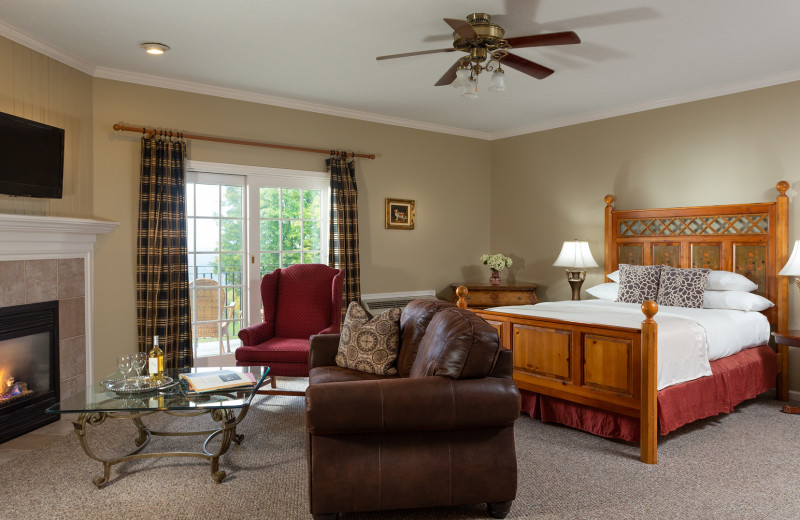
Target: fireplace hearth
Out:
[29,380]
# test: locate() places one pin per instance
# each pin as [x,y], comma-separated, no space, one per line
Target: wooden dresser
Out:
[483,295]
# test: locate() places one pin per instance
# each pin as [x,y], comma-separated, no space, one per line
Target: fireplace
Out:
[29,379]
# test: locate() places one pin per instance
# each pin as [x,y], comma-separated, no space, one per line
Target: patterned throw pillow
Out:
[682,287]
[369,344]
[638,283]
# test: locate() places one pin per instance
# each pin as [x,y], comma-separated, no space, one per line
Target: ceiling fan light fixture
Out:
[462,78]
[154,48]
[471,88]
[498,83]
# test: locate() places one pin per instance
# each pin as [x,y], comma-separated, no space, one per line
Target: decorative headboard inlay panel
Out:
[756,224]
[749,239]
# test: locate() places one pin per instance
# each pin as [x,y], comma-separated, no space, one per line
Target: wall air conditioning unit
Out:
[378,302]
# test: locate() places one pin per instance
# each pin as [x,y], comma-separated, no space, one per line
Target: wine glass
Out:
[139,362]
[125,366]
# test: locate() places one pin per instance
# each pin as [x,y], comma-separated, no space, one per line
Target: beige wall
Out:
[446,175]
[549,186]
[36,87]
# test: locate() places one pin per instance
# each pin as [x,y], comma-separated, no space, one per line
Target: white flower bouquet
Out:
[496,262]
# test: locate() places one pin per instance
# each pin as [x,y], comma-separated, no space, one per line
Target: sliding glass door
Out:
[289,226]
[244,222]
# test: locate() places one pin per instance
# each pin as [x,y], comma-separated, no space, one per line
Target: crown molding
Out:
[25,39]
[264,99]
[651,105]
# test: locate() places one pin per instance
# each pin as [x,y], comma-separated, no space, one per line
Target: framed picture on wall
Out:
[399,214]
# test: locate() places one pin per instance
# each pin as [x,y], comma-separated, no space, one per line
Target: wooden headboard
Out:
[749,239]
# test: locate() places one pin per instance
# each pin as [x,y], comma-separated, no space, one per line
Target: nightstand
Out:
[483,295]
[785,339]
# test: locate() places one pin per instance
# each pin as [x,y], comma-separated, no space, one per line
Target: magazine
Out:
[218,380]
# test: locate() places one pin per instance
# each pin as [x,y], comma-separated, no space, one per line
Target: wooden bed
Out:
[613,369]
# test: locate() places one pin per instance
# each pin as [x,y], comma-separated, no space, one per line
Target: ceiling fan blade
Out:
[528,67]
[449,76]
[462,27]
[541,40]
[417,53]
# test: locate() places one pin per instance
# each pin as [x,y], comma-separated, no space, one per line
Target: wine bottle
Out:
[155,363]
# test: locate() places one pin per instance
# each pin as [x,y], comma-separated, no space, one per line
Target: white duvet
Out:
[687,338]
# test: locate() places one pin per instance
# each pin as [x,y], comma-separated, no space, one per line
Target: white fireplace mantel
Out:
[25,237]
[34,237]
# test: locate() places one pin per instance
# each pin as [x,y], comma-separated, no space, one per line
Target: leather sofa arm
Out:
[411,404]
[323,350]
[255,334]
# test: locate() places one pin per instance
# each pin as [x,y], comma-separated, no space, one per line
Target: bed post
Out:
[782,303]
[648,418]
[462,292]
[609,234]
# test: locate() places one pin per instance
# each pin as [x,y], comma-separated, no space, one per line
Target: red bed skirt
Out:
[733,379]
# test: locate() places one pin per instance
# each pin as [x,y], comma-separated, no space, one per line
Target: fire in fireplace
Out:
[28,367]
[11,390]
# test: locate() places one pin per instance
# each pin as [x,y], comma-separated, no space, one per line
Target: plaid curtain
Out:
[162,272]
[343,246]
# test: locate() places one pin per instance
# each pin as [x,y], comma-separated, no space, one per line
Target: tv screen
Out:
[31,158]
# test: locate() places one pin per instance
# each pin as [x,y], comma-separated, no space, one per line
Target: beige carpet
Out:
[745,465]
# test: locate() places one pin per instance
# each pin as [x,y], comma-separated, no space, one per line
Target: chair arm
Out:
[332,329]
[255,334]
[411,404]
[323,349]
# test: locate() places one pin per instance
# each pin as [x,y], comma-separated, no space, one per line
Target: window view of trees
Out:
[290,227]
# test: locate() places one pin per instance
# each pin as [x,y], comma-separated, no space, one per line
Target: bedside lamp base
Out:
[575,279]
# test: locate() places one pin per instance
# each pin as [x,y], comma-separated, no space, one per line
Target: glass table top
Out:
[98,398]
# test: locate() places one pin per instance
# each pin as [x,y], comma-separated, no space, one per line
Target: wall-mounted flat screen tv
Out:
[31,158]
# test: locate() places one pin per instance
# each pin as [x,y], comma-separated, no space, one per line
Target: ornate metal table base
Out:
[226,432]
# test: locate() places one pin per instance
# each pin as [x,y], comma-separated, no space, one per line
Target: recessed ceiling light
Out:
[154,48]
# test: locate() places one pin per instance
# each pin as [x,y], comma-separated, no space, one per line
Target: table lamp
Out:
[576,258]
[792,267]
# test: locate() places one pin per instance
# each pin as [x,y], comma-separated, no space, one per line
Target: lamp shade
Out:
[575,254]
[792,267]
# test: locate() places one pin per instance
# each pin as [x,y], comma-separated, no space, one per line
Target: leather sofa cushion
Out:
[457,344]
[413,322]
[335,374]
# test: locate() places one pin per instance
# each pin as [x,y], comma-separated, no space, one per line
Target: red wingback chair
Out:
[299,301]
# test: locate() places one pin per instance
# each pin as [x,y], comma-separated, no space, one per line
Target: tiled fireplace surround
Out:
[63,279]
[51,258]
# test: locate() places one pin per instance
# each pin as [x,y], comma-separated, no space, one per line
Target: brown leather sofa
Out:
[440,433]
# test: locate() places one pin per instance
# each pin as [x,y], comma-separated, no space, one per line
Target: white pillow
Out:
[735,300]
[728,281]
[605,291]
[717,281]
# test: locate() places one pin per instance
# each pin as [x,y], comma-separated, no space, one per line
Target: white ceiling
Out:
[320,54]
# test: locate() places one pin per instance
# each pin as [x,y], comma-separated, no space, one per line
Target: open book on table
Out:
[218,380]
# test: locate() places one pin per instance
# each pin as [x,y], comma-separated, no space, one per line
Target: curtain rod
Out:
[152,131]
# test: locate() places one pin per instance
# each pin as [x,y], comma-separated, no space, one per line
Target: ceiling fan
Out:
[483,40]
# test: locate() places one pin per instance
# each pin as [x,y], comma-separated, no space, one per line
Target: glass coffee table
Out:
[98,403]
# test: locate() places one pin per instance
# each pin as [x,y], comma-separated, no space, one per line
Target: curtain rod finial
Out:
[117,127]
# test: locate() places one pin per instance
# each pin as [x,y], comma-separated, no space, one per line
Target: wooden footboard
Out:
[611,368]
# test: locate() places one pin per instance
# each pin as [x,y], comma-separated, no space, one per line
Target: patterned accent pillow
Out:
[638,283]
[369,344]
[682,287]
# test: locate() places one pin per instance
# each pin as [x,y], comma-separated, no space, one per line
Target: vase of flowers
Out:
[496,263]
